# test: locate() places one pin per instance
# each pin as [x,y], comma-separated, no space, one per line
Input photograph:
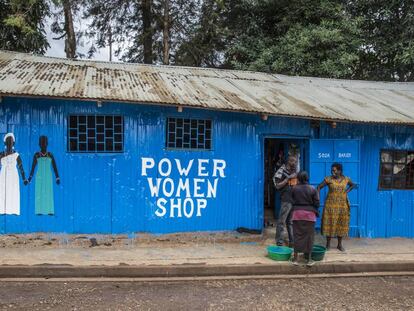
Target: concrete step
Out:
[285,268]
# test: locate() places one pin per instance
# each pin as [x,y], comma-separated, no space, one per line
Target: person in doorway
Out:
[337,211]
[294,150]
[280,159]
[284,180]
[305,210]
[9,177]
[44,160]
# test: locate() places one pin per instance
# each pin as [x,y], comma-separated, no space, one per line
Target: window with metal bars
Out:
[95,133]
[397,169]
[188,134]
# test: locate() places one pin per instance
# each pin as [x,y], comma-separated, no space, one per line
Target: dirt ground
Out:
[368,293]
[47,240]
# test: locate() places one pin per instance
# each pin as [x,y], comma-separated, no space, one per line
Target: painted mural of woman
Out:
[9,177]
[44,161]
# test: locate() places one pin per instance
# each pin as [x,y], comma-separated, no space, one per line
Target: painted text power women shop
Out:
[182,189]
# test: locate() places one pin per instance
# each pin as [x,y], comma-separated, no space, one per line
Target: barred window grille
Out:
[397,169]
[189,134]
[95,133]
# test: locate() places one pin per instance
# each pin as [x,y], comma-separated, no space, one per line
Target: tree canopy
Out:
[353,39]
[22,25]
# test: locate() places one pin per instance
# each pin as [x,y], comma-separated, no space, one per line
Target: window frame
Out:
[95,115]
[407,164]
[167,132]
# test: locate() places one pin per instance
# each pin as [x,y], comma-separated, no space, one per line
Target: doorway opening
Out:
[276,152]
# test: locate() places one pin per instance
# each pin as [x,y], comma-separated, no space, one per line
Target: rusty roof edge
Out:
[344,83]
[171,104]
[278,78]
[87,62]
[222,90]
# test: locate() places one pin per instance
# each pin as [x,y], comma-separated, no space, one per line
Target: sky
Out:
[57,47]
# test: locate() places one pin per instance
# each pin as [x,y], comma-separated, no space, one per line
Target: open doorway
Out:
[276,152]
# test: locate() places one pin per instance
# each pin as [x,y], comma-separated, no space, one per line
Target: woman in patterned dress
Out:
[336,214]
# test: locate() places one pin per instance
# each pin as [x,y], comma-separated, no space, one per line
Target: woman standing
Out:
[44,204]
[337,211]
[9,178]
[305,210]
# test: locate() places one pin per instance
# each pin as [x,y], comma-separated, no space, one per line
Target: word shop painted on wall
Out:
[182,188]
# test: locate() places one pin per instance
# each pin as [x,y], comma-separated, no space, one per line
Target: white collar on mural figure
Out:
[9,135]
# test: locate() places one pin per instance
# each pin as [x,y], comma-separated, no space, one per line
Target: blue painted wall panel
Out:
[401,221]
[383,213]
[107,192]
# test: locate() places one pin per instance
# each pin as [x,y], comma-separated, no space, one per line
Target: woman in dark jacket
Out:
[305,210]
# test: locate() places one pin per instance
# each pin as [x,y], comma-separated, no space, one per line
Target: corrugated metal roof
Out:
[361,101]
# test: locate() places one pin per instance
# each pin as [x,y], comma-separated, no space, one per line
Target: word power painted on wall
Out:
[182,189]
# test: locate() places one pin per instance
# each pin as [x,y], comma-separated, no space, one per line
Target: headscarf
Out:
[9,135]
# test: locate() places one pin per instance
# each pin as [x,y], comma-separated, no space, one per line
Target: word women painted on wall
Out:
[182,188]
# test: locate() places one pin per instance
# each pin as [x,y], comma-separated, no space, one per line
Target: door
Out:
[324,152]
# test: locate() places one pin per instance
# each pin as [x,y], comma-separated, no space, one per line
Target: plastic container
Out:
[318,252]
[279,253]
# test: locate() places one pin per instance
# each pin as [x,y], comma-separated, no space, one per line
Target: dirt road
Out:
[368,293]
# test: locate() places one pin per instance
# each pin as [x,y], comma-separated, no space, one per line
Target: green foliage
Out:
[315,38]
[325,50]
[123,19]
[18,21]
[356,39]
[206,39]
[21,25]
[363,39]
[388,34]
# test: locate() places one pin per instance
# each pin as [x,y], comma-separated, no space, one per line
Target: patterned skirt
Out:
[336,215]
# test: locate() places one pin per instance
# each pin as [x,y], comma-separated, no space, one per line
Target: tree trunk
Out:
[147,35]
[110,43]
[166,33]
[70,42]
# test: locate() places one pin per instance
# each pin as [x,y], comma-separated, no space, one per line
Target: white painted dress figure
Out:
[9,178]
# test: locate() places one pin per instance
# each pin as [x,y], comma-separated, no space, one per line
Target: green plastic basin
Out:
[279,253]
[318,252]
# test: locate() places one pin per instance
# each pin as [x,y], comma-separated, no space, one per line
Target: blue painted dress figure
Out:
[44,160]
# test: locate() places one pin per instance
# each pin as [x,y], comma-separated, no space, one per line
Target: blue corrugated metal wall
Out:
[382,213]
[105,193]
